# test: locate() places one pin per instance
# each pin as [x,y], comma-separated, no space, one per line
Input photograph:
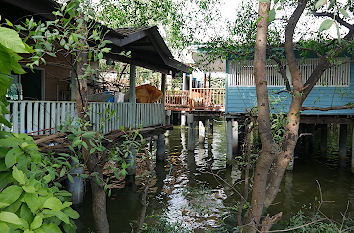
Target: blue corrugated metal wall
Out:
[240,98]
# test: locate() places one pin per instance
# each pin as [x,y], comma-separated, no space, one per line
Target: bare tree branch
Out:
[336,17]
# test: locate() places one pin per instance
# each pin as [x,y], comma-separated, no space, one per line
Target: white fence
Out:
[44,117]
[242,73]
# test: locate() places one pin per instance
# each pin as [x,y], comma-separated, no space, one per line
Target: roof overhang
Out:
[147,47]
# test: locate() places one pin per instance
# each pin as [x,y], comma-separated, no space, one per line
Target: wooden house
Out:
[42,100]
[335,88]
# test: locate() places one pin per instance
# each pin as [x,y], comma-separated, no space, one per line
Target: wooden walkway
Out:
[196,99]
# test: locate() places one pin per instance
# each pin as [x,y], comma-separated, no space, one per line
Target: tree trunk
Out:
[267,153]
[99,205]
[91,160]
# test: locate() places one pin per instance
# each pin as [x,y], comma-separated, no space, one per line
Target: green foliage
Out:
[316,223]
[30,197]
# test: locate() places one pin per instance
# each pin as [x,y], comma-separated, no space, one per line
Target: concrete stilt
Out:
[234,138]
[191,131]
[323,142]
[77,189]
[161,147]
[342,144]
[228,142]
[131,169]
[231,140]
[183,118]
[201,132]
[168,117]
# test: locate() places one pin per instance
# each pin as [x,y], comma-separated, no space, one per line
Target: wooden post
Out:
[163,89]
[161,147]
[323,141]
[205,80]
[183,118]
[342,143]
[132,94]
[190,92]
[190,121]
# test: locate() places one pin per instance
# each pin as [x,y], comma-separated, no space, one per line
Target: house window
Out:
[28,86]
[242,73]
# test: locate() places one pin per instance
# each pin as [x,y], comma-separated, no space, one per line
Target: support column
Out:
[77,189]
[228,142]
[132,94]
[343,144]
[168,116]
[183,118]
[161,148]
[131,169]
[163,89]
[323,141]
[234,141]
[231,140]
[201,132]
[191,131]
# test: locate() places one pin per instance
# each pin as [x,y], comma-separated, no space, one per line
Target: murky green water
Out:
[195,199]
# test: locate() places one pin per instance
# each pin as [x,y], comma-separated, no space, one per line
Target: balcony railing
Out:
[207,99]
[45,117]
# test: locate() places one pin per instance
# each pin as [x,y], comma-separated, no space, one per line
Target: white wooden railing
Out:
[242,73]
[45,117]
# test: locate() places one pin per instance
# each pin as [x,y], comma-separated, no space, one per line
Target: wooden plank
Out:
[15,117]
[41,117]
[35,127]
[57,114]
[53,117]
[22,116]
[29,122]
[8,117]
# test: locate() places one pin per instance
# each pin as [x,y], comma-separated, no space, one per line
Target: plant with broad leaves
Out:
[31,199]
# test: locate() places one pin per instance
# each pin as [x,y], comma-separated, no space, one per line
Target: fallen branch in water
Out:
[328,108]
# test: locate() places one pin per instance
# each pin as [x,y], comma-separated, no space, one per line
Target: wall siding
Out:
[239,98]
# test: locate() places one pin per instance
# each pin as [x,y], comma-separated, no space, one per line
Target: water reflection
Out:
[193,197]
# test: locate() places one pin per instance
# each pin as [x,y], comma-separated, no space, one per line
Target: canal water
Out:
[192,189]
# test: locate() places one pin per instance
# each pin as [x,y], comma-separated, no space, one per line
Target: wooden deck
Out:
[45,117]
[196,99]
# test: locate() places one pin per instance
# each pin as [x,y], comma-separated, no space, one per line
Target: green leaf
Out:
[71,213]
[62,172]
[10,218]
[32,201]
[53,203]
[25,213]
[89,134]
[344,12]
[320,3]
[4,228]
[325,25]
[271,16]
[10,195]
[11,40]
[19,176]
[29,188]
[12,155]
[70,177]
[48,228]
[37,222]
